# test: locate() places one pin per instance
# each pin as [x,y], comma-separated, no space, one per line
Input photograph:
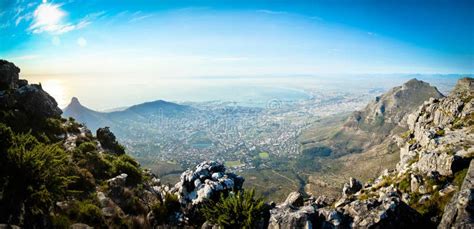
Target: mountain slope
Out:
[431,186]
[138,113]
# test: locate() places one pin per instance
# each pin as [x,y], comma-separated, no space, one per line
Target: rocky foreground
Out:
[73,179]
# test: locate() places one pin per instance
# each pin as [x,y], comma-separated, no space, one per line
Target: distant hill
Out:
[139,113]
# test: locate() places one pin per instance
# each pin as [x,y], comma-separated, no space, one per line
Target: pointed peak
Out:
[75,100]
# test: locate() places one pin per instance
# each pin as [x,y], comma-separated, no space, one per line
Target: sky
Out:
[167,39]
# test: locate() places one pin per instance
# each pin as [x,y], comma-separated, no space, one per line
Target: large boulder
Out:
[34,100]
[459,213]
[292,213]
[8,75]
[351,188]
[207,180]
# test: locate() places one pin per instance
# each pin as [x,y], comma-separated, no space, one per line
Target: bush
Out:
[239,210]
[165,208]
[124,164]
[86,212]
[33,178]
[87,147]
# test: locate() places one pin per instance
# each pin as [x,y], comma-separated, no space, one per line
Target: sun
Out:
[48,15]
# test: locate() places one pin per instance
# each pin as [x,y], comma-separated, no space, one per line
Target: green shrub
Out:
[239,210]
[404,185]
[459,177]
[87,147]
[33,178]
[124,164]
[60,221]
[165,208]
[86,212]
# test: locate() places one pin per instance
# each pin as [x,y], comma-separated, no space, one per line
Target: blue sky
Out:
[171,38]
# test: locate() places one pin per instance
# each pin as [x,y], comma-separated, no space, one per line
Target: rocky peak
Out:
[464,85]
[16,93]
[8,75]
[391,108]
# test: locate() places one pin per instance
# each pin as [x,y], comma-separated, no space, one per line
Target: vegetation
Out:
[32,176]
[239,210]
[163,209]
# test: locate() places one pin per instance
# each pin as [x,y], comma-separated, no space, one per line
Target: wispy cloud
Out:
[271,12]
[139,18]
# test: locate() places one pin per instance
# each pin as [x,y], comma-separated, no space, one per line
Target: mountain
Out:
[82,114]
[362,144]
[138,113]
[431,186]
[369,127]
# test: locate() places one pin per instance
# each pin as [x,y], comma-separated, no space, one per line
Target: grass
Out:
[264,155]
[233,163]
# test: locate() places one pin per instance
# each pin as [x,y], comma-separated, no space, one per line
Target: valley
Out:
[273,144]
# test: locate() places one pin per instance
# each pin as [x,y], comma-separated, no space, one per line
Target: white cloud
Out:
[82,42]
[271,12]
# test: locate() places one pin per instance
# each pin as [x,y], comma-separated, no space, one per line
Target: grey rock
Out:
[206,181]
[459,213]
[352,187]
[8,75]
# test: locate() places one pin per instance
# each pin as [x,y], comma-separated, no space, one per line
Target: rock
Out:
[295,199]
[286,217]
[444,164]
[447,190]
[8,226]
[35,101]
[352,187]
[208,180]
[80,226]
[118,181]
[415,182]
[8,75]
[424,198]
[459,212]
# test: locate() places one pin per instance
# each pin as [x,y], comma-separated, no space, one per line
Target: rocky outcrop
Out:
[206,181]
[18,94]
[8,75]
[293,213]
[351,188]
[459,213]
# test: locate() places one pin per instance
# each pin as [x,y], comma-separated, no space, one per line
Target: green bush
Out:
[86,212]
[33,177]
[124,164]
[165,208]
[87,147]
[239,210]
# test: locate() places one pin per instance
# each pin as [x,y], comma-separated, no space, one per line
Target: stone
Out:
[35,101]
[295,199]
[9,74]
[458,213]
[206,181]
[352,187]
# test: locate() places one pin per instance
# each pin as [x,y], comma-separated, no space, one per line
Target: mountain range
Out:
[56,173]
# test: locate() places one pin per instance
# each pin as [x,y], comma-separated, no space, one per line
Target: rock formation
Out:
[208,180]
[18,94]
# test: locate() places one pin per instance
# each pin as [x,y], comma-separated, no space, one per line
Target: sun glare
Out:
[48,15]
[56,89]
